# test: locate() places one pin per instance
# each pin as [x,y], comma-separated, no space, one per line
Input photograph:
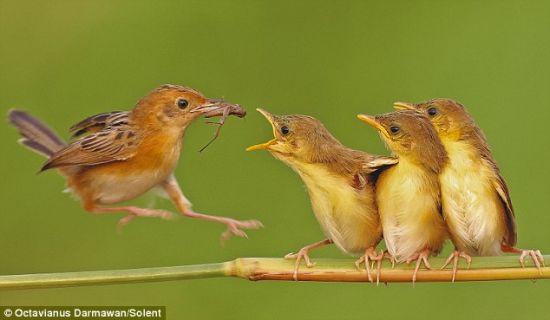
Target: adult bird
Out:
[118,156]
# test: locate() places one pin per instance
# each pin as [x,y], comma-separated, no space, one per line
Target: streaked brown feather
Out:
[97,122]
[116,141]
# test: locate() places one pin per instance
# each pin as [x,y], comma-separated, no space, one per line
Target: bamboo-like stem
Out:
[326,270]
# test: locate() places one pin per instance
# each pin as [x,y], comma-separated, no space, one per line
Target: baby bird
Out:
[476,201]
[120,155]
[408,194]
[340,183]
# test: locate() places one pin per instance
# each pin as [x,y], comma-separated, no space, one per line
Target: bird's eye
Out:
[182,103]
[432,111]
[285,130]
[394,129]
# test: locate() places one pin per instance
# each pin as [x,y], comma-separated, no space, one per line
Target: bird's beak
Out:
[403,106]
[266,145]
[209,106]
[371,121]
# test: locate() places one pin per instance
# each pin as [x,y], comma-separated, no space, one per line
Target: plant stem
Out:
[327,270]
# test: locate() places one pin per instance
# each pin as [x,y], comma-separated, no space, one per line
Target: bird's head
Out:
[449,117]
[175,107]
[409,134]
[297,138]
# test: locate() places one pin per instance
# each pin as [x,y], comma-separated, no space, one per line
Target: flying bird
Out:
[118,156]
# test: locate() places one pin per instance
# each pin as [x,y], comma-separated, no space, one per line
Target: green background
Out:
[65,60]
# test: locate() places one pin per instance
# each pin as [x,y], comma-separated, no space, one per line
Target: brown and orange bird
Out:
[118,156]
[340,183]
[476,201]
[408,193]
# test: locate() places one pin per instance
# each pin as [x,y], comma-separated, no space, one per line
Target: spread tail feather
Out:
[35,135]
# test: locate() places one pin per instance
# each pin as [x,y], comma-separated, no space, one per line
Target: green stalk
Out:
[327,270]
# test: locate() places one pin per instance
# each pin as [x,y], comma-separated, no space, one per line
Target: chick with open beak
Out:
[340,183]
[408,194]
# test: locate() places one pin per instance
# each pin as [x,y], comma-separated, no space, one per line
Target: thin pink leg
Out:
[134,212]
[535,255]
[420,257]
[184,206]
[371,255]
[304,254]
[453,257]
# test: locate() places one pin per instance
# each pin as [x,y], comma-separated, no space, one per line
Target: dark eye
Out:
[285,130]
[394,129]
[182,103]
[432,111]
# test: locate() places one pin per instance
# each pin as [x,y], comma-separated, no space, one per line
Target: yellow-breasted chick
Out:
[476,201]
[408,193]
[339,180]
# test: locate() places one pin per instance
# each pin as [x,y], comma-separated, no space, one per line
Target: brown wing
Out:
[370,168]
[115,142]
[478,138]
[502,189]
[98,122]
[377,163]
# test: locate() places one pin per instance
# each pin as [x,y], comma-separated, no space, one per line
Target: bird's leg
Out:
[420,257]
[535,255]
[304,254]
[371,255]
[184,206]
[457,254]
[390,257]
[133,212]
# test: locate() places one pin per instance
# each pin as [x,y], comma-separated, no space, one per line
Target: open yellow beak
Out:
[371,121]
[403,106]
[266,145]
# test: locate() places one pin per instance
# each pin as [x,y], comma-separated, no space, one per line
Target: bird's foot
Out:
[371,256]
[234,228]
[390,257]
[535,255]
[454,257]
[135,212]
[420,257]
[302,254]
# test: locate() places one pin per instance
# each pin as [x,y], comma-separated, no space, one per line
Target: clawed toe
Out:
[299,256]
[233,229]
[535,255]
[454,257]
[421,257]
[250,224]
[370,256]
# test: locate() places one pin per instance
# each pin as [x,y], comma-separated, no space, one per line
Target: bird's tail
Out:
[35,135]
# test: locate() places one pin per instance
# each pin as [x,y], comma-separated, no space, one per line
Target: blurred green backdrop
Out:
[64,60]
